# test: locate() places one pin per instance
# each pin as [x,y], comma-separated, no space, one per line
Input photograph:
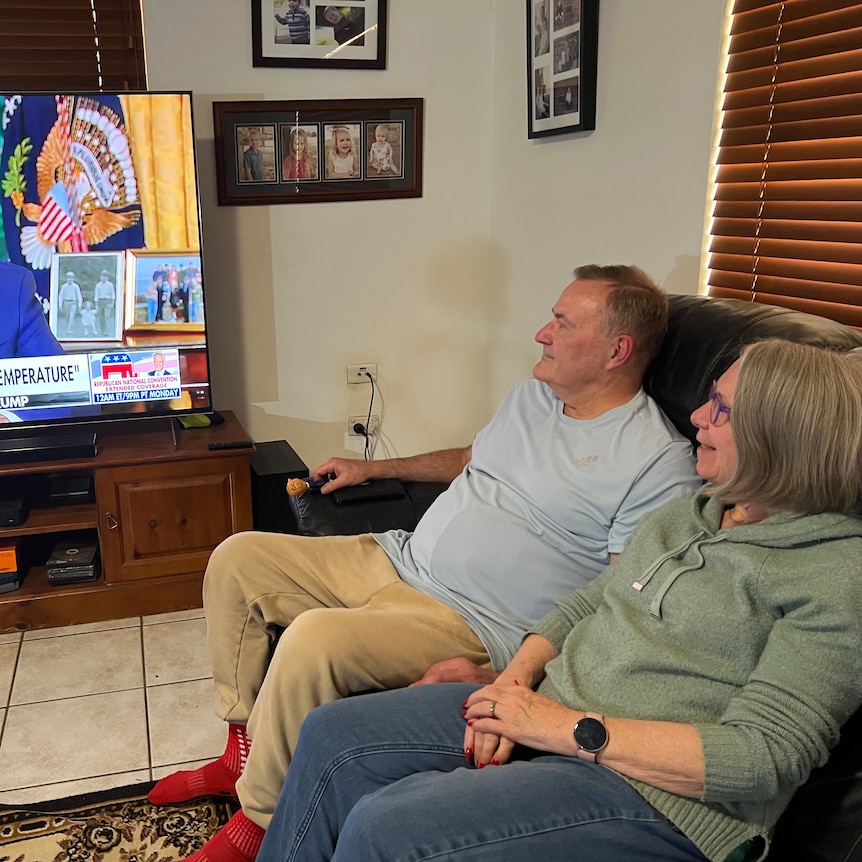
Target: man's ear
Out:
[623,350]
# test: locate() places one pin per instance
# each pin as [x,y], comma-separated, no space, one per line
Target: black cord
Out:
[368,420]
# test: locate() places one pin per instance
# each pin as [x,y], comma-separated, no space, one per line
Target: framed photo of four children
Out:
[314,151]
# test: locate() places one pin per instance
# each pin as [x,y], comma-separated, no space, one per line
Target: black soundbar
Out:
[18,450]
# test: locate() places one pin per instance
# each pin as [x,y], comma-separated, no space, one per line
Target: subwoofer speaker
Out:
[272,464]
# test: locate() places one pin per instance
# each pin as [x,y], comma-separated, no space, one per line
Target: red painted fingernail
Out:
[464,714]
[470,723]
[468,753]
[495,763]
[482,766]
[464,704]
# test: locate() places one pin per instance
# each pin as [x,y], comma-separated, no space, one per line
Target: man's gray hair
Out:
[635,306]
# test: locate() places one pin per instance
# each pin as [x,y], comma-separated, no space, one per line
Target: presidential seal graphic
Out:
[86,189]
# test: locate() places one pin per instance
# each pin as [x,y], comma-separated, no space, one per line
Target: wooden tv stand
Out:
[157,514]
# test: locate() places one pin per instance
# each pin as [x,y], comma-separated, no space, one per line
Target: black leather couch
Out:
[705,336]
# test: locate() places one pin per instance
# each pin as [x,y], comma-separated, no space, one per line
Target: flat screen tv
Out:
[102,311]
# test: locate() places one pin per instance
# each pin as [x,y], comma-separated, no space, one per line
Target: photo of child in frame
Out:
[543,31]
[255,149]
[566,53]
[566,96]
[343,144]
[342,25]
[567,13]
[87,296]
[543,107]
[294,21]
[384,149]
[299,144]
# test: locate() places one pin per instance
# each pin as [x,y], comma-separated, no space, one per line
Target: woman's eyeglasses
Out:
[719,412]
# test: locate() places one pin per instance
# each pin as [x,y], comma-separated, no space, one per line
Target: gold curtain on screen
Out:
[165,171]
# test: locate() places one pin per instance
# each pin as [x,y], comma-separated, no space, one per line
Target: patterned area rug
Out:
[113,826]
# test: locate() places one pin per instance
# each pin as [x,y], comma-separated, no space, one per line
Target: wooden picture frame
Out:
[90,307]
[285,152]
[562,59]
[169,305]
[310,34]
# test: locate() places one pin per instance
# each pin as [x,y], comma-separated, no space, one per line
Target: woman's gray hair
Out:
[797,425]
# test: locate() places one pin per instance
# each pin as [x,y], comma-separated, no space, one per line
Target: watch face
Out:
[590,734]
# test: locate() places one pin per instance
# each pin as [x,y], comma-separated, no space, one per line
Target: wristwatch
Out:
[591,736]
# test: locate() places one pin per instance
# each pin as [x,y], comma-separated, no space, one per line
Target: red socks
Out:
[240,838]
[215,779]
[237,841]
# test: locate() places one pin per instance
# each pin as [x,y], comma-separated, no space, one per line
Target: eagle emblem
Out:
[85,182]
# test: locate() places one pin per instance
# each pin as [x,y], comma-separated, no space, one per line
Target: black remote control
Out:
[231,444]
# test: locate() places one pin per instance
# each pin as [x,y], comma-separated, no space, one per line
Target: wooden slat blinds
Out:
[71,45]
[787,212]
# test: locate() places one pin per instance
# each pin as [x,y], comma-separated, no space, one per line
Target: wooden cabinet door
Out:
[165,519]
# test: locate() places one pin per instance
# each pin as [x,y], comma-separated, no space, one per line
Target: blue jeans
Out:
[384,777]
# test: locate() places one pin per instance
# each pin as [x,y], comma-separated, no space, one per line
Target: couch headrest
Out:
[705,336]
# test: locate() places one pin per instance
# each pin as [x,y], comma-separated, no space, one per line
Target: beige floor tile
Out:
[80,664]
[83,628]
[8,655]
[10,638]
[176,652]
[67,740]
[183,723]
[173,616]
[62,789]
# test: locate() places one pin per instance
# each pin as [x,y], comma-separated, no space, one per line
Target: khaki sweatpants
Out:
[350,625]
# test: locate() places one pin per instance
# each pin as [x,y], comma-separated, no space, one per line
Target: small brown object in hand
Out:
[296,487]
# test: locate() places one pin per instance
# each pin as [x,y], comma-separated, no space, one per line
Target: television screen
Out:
[102,311]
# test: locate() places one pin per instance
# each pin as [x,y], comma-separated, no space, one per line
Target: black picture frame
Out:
[562,60]
[285,152]
[309,38]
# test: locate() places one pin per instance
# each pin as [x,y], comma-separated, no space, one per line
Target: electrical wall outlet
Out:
[357,372]
[373,424]
[352,443]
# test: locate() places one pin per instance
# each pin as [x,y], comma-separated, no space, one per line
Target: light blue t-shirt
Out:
[538,510]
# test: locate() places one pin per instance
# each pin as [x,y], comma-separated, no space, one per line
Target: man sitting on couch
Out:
[539,504]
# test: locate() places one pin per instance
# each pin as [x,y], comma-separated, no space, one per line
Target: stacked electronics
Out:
[73,561]
[10,576]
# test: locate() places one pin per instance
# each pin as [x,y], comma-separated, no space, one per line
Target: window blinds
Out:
[71,45]
[787,213]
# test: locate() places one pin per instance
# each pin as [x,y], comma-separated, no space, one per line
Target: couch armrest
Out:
[705,336]
[824,820]
[320,515]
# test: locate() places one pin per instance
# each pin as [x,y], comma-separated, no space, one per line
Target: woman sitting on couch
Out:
[680,698]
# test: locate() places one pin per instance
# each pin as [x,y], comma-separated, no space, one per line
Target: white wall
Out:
[632,191]
[445,291]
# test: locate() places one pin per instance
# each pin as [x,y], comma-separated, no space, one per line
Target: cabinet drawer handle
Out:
[111,521]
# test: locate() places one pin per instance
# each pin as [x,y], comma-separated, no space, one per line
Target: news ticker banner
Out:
[71,380]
